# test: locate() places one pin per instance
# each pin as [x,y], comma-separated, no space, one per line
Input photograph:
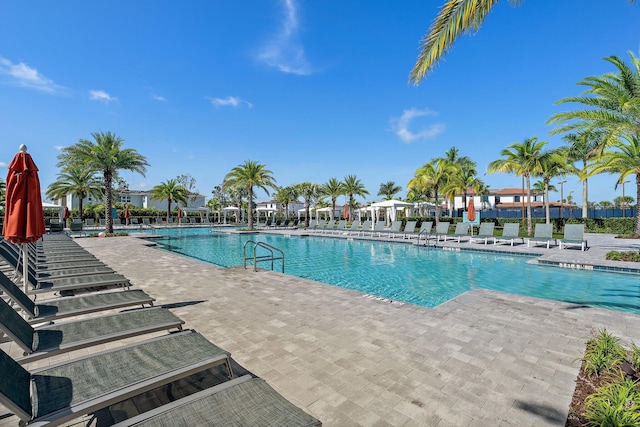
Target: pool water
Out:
[408,273]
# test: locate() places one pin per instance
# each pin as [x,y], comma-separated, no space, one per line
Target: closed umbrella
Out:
[126,215]
[471,213]
[24,217]
[66,215]
[346,212]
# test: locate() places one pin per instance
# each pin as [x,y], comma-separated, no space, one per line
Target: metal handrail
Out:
[257,259]
[426,239]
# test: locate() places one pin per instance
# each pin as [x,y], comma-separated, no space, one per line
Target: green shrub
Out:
[623,256]
[614,405]
[603,354]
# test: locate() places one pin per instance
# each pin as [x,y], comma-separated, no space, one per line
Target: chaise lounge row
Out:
[61,392]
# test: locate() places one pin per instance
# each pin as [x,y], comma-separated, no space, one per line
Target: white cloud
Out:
[100,95]
[159,98]
[284,51]
[230,101]
[401,125]
[59,147]
[25,76]
[3,165]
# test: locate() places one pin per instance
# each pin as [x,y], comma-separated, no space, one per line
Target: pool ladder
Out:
[261,258]
[427,236]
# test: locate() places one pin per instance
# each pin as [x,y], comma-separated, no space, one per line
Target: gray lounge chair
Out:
[425,230]
[365,226]
[394,230]
[355,226]
[461,231]
[510,233]
[543,234]
[60,393]
[243,401]
[442,229]
[573,236]
[57,308]
[485,233]
[378,229]
[79,282]
[50,340]
[409,229]
[76,227]
[339,228]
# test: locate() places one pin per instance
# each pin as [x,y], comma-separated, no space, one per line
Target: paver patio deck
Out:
[482,359]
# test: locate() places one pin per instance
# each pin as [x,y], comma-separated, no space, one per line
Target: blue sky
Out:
[311,89]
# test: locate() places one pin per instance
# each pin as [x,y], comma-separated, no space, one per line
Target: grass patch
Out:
[631,256]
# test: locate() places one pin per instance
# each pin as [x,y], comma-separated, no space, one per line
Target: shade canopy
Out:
[24,217]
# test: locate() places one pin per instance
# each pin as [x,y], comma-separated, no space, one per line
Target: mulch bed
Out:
[584,387]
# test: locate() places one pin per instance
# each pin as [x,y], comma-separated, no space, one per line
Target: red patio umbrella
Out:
[24,218]
[471,210]
[345,214]
[66,213]
[126,215]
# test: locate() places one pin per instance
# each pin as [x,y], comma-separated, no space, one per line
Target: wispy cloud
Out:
[401,125]
[59,147]
[23,75]
[3,165]
[284,50]
[102,96]
[230,101]
[159,98]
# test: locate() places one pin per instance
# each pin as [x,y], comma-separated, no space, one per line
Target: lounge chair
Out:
[89,223]
[243,401]
[58,308]
[485,233]
[79,282]
[50,340]
[355,226]
[461,230]
[55,226]
[146,221]
[340,227]
[543,233]
[573,236]
[330,225]
[378,228]
[76,227]
[409,229]
[62,392]
[365,226]
[394,230]
[425,230]
[442,229]
[510,232]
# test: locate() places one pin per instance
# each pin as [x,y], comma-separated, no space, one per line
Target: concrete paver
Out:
[483,358]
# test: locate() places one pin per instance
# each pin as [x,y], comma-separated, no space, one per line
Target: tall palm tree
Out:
[172,191]
[521,159]
[432,176]
[105,155]
[249,175]
[623,159]
[3,191]
[583,148]
[310,192]
[79,182]
[456,17]
[333,188]
[353,187]
[553,163]
[389,189]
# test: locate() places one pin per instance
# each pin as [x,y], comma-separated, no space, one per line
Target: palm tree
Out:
[249,175]
[432,176]
[172,191]
[286,195]
[582,148]
[623,159]
[105,155]
[522,159]
[79,182]
[310,192]
[389,189]
[3,191]
[333,188]
[353,187]
[456,17]
[553,163]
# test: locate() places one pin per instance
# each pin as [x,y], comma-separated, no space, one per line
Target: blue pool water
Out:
[412,274]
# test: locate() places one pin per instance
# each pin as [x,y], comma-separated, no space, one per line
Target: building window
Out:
[125,199]
[516,199]
[485,198]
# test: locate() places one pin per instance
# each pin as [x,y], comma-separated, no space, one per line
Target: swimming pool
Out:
[412,274]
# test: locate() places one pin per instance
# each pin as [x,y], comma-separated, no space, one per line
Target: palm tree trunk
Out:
[80,209]
[250,210]
[529,223]
[108,220]
[333,208]
[168,209]
[546,201]
[438,207]
[637,209]
[585,203]
[307,207]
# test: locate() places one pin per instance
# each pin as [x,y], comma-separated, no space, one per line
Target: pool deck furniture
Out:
[243,401]
[365,226]
[442,229]
[461,231]
[394,230]
[59,393]
[573,236]
[425,231]
[484,234]
[53,339]
[409,229]
[542,234]
[510,233]
[58,308]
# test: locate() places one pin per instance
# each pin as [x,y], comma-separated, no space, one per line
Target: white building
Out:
[139,199]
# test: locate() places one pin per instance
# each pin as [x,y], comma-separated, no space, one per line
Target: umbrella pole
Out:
[25,271]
